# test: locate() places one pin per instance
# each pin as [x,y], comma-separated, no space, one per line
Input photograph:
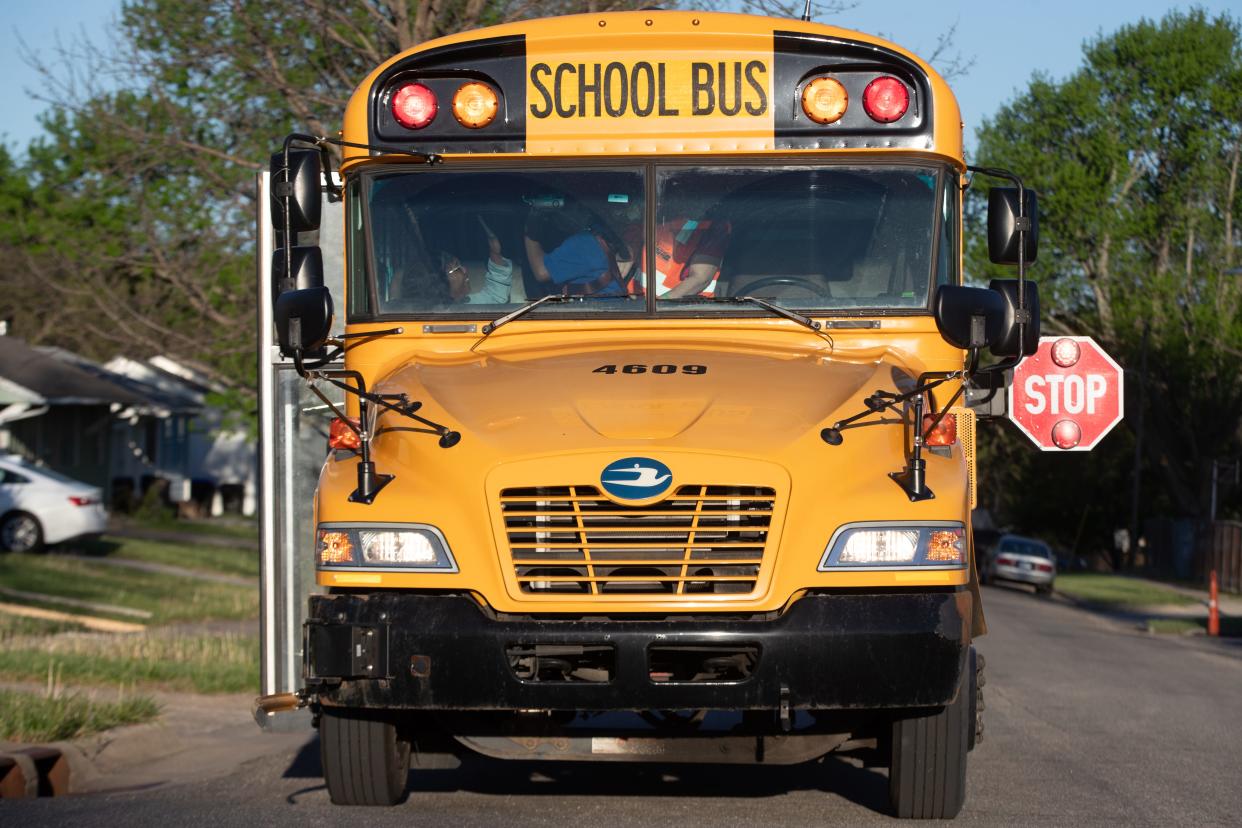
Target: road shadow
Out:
[854,778]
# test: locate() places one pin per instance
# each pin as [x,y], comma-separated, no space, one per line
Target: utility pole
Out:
[1138,447]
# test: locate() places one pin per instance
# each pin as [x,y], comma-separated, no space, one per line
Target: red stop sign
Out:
[1068,395]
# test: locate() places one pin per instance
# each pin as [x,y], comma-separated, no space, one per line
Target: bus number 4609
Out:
[639,368]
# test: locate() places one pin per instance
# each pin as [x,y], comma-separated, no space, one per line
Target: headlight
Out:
[930,544]
[404,547]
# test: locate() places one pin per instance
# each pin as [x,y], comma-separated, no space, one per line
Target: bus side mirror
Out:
[306,272]
[1003,225]
[303,320]
[305,174]
[1008,345]
[969,317]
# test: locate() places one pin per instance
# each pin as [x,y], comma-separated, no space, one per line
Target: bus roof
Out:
[654,83]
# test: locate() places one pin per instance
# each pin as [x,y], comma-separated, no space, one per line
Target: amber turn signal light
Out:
[945,432]
[335,548]
[824,100]
[946,546]
[344,435]
[475,105]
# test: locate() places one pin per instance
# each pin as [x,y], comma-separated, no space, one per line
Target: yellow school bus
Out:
[654,445]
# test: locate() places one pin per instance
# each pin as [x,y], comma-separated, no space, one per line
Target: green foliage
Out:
[128,228]
[242,560]
[1136,160]
[28,717]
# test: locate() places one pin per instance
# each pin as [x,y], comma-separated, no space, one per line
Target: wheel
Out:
[21,532]
[927,770]
[364,763]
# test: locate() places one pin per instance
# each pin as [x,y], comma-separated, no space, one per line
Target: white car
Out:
[39,506]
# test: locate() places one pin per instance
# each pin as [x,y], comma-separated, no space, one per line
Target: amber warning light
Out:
[824,100]
[475,105]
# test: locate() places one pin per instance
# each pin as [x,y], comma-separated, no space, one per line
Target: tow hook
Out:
[267,706]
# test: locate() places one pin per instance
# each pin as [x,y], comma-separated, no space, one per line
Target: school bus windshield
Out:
[831,238]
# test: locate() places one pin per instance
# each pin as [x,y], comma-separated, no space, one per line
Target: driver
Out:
[689,253]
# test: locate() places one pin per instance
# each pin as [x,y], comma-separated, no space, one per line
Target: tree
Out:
[1135,157]
[129,226]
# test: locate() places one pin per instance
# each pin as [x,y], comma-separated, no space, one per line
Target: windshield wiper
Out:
[551,297]
[793,316]
[525,309]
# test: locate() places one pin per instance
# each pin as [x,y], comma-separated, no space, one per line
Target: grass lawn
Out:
[169,598]
[195,663]
[1117,590]
[31,717]
[16,625]
[241,528]
[237,561]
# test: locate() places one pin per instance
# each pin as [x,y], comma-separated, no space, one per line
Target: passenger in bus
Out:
[498,279]
[572,256]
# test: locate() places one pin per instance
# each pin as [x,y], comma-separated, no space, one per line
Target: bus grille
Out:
[573,540]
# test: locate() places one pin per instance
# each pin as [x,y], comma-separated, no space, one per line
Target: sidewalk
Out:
[196,737]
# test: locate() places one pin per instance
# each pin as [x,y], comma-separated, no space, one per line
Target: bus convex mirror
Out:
[303,320]
[302,187]
[306,269]
[969,317]
[1007,345]
[1003,225]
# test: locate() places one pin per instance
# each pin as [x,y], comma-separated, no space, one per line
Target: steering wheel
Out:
[769,281]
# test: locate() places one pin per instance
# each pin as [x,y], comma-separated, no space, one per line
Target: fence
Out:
[1221,546]
[1185,550]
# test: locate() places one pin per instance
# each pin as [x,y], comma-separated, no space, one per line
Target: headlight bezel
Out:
[445,564]
[830,560]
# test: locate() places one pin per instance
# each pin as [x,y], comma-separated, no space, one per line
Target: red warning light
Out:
[414,105]
[1065,352]
[886,99]
[1066,434]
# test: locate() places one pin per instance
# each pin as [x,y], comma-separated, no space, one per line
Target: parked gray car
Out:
[1021,560]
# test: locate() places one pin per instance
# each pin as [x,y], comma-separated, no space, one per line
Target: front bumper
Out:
[415,651]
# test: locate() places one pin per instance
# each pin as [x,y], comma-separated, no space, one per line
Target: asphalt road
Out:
[1087,723]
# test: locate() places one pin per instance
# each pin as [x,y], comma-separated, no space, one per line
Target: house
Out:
[124,425]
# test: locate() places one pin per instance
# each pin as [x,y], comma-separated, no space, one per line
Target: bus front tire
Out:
[364,763]
[927,770]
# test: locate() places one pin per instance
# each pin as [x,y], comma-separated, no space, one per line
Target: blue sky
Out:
[1009,42]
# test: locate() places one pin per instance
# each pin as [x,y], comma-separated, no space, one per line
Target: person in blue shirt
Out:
[573,260]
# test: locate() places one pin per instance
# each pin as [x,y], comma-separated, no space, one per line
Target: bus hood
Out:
[703,398]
